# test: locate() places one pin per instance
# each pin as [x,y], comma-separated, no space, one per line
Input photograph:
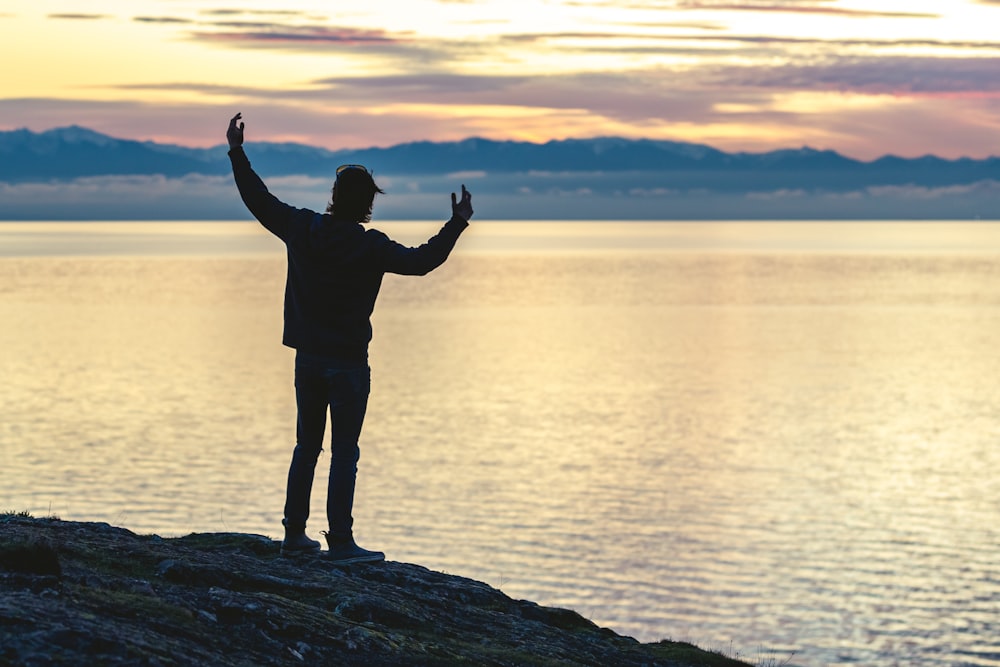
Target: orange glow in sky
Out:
[863,78]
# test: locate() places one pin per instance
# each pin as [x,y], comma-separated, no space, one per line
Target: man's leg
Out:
[311,403]
[348,400]
[349,390]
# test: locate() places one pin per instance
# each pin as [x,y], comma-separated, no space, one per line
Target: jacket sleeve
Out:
[275,215]
[397,258]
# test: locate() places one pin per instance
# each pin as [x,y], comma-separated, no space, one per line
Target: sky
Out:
[865,78]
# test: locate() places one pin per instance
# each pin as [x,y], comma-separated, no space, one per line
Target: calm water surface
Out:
[769,439]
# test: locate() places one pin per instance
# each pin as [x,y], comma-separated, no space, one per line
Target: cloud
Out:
[921,94]
[791,6]
[614,93]
[653,192]
[858,103]
[797,7]
[423,87]
[85,17]
[250,12]
[290,29]
[408,48]
[283,29]
[674,25]
[95,198]
[892,75]
[219,89]
[842,42]
[647,100]
[945,126]
[782,193]
[195,197]
[278,34]
[215,198]
[269,118]
[920,193]
[474,174]
[629,97]
[626,96]
[670,43]
[160,19]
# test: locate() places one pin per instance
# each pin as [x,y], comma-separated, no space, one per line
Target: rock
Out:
[29,556]
[142,587]
[207,616]
[107,596]
[378,611]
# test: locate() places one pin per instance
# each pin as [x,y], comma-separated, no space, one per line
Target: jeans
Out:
[320,384]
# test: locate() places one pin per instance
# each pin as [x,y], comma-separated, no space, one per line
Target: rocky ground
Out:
[88,593]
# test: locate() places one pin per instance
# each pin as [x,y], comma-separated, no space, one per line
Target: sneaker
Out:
[297,543]
[345,552]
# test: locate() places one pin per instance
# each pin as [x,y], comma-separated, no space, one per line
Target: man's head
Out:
[353,194]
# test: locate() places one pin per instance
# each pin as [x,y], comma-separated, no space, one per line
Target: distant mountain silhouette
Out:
[72,152]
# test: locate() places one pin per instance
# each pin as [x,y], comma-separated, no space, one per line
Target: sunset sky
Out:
[864,78]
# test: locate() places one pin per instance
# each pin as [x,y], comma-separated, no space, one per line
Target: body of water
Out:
[772,439]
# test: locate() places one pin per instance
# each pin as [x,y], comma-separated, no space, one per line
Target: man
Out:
[335,269]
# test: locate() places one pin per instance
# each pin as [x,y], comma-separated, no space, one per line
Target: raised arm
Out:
[274,214]
[397,258]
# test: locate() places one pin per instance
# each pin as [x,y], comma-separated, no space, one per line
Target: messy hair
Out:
[353,195]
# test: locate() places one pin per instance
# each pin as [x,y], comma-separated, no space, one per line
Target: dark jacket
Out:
[335,268]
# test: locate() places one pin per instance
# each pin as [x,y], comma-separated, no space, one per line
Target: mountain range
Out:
[674,179]
[73,152]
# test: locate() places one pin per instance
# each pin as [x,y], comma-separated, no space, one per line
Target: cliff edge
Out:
[91,593]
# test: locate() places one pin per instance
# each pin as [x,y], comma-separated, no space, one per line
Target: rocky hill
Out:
[88,593]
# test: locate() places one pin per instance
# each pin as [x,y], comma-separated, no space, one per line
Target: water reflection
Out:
[791,450]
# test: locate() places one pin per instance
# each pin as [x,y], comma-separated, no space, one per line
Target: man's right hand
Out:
[234,135]
[462,209]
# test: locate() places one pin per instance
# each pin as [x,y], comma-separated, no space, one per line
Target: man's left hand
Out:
[234,135]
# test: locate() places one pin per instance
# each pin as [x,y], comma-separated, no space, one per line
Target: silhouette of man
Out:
[335,269]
